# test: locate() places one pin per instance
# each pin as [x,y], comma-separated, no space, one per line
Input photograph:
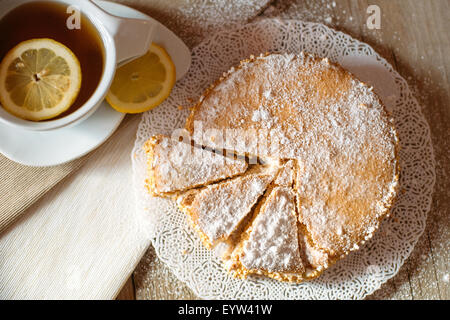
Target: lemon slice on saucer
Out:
[143,83]
[39,79]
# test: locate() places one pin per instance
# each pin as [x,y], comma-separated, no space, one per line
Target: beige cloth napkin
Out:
[20,186]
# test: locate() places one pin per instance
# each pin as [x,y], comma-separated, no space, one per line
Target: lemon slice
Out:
[143,83]
[39,79]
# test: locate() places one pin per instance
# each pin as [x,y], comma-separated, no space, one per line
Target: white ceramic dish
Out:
[65,144]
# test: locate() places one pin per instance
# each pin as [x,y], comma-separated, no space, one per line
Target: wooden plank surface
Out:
[414,38]
[127,292]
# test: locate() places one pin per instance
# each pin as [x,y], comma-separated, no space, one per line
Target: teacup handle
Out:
[132,37]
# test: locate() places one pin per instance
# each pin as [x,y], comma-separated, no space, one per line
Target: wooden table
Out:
[414,38]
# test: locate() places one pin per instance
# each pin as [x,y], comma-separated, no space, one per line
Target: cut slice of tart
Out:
[217,210]
[175,166]
[270,245]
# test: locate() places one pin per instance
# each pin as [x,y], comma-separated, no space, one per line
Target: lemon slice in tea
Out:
[39,79]
[143,83]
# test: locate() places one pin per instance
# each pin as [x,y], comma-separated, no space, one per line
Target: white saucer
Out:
[62,145]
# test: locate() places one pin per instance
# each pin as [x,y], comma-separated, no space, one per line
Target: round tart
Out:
[332,145]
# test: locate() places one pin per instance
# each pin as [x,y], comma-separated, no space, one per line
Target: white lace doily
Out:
[363,271]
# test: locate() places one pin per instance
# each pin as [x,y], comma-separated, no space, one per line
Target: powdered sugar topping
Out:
[273,243]
[330,122]
[178,165]
[219,208]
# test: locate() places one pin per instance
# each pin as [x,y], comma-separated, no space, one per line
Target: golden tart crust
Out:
[332,124]
[332,130]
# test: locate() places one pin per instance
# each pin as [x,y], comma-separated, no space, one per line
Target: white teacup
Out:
[123,39]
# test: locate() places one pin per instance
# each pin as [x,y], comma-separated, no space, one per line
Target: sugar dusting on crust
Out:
[336,149]
[176,166]
[218,209]
[334,126]
[272,244]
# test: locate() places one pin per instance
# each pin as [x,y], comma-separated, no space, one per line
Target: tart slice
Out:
[270,245]
[175,166]
[217,210]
